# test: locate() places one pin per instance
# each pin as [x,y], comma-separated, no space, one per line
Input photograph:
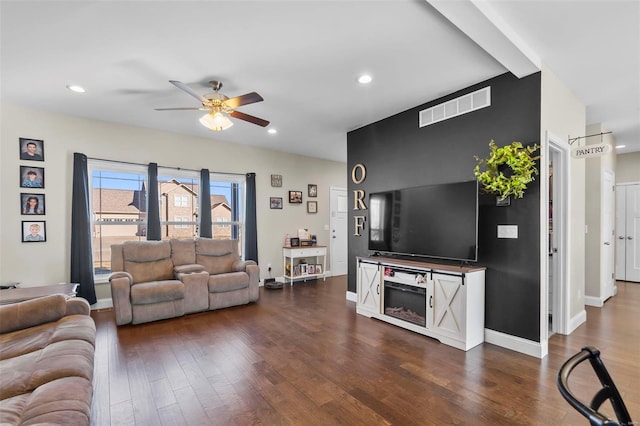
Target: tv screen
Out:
[438,221]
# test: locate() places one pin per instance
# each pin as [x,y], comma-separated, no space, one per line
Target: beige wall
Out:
[564,116]
[628,167]
[46,263]
[595,169]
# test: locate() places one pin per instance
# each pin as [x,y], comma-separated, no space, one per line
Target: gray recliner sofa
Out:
[155,280]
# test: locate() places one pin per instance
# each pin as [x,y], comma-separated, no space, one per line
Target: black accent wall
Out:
[398,154]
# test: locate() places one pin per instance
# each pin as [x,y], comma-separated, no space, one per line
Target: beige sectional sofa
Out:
[46,361]
[154,280]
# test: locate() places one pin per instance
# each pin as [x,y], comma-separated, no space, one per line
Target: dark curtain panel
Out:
[205,204]
[81,253]
[153,208]
[235,210]
[251,234]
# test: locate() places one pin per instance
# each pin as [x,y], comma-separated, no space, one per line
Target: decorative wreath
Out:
[507,170]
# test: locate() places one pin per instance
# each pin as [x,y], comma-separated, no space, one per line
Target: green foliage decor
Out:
[507,170]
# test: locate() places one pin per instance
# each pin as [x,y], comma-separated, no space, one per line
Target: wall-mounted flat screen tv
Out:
[438,221]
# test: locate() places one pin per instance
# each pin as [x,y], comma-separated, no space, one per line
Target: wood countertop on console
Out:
[421,265]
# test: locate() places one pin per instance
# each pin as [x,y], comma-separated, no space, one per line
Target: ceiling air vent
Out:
[455,107]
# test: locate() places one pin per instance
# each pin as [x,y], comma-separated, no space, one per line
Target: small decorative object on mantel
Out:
[507,170]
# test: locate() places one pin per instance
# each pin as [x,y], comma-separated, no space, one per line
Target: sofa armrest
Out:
[187,269]
[78,306]
[241,265]
[121,296]
[30,313]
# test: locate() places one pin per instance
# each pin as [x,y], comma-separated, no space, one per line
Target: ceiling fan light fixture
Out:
[216,121]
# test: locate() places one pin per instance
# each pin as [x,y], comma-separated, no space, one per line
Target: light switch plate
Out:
[508,231]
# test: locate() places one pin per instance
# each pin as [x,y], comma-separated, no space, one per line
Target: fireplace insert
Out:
[405,302]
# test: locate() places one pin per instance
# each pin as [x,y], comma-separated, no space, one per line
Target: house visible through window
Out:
[119,206]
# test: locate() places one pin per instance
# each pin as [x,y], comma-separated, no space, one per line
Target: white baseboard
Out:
[352,296]
[518,344]
[102,304]
[593,301]
[577,320]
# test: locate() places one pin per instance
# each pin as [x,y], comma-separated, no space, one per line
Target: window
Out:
[181,201]
[118,209]
[119,206]
[181,219]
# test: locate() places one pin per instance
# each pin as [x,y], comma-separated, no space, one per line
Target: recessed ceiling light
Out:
[75,88]
[365,79]
[272,131]
[620,146]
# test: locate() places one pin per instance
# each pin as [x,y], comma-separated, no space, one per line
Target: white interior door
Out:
[338,225]
[607,284]
[632,233]
[621,233]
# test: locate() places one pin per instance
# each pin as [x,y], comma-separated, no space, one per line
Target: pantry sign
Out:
[590,151]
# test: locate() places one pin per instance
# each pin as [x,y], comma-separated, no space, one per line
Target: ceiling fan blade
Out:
[183,109]
[249,118]
[248,98]
[180,85]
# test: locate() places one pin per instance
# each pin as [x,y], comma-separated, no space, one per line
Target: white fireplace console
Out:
[440,301]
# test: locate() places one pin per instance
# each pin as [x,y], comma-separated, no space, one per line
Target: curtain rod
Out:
[164,167]
[572,140]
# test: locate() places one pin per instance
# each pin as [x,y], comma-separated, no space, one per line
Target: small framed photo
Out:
[31,203]
[311,269]
[275,202]
[312,207]
[31,177]
[276,181]
[295,197]
[31,149]
[312,190]
[295,242]
[34,231]
[318,269]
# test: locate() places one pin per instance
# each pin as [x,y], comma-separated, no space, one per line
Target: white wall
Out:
[564,115]
[49,262]
[628,167]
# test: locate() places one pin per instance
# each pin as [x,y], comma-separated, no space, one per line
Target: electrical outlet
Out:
[269,267]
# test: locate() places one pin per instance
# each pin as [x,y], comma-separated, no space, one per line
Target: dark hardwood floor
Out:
[303,356]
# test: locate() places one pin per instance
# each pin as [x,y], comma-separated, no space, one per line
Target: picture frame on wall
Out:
[275,203]
[31,177]
[312,207]
[276,181]
[34,231]
[32,204]
[295,197]
[31,149]
[312,190]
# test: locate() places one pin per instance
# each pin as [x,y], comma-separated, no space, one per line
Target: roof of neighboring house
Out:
[114,200]
[119,200]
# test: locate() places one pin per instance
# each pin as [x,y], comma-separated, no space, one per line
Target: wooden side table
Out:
[20,294]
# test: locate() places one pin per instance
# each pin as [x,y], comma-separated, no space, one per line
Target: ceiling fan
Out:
[219,106]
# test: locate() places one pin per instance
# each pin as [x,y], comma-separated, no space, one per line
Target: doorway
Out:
[555,311]
[338,226]
[607,260]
